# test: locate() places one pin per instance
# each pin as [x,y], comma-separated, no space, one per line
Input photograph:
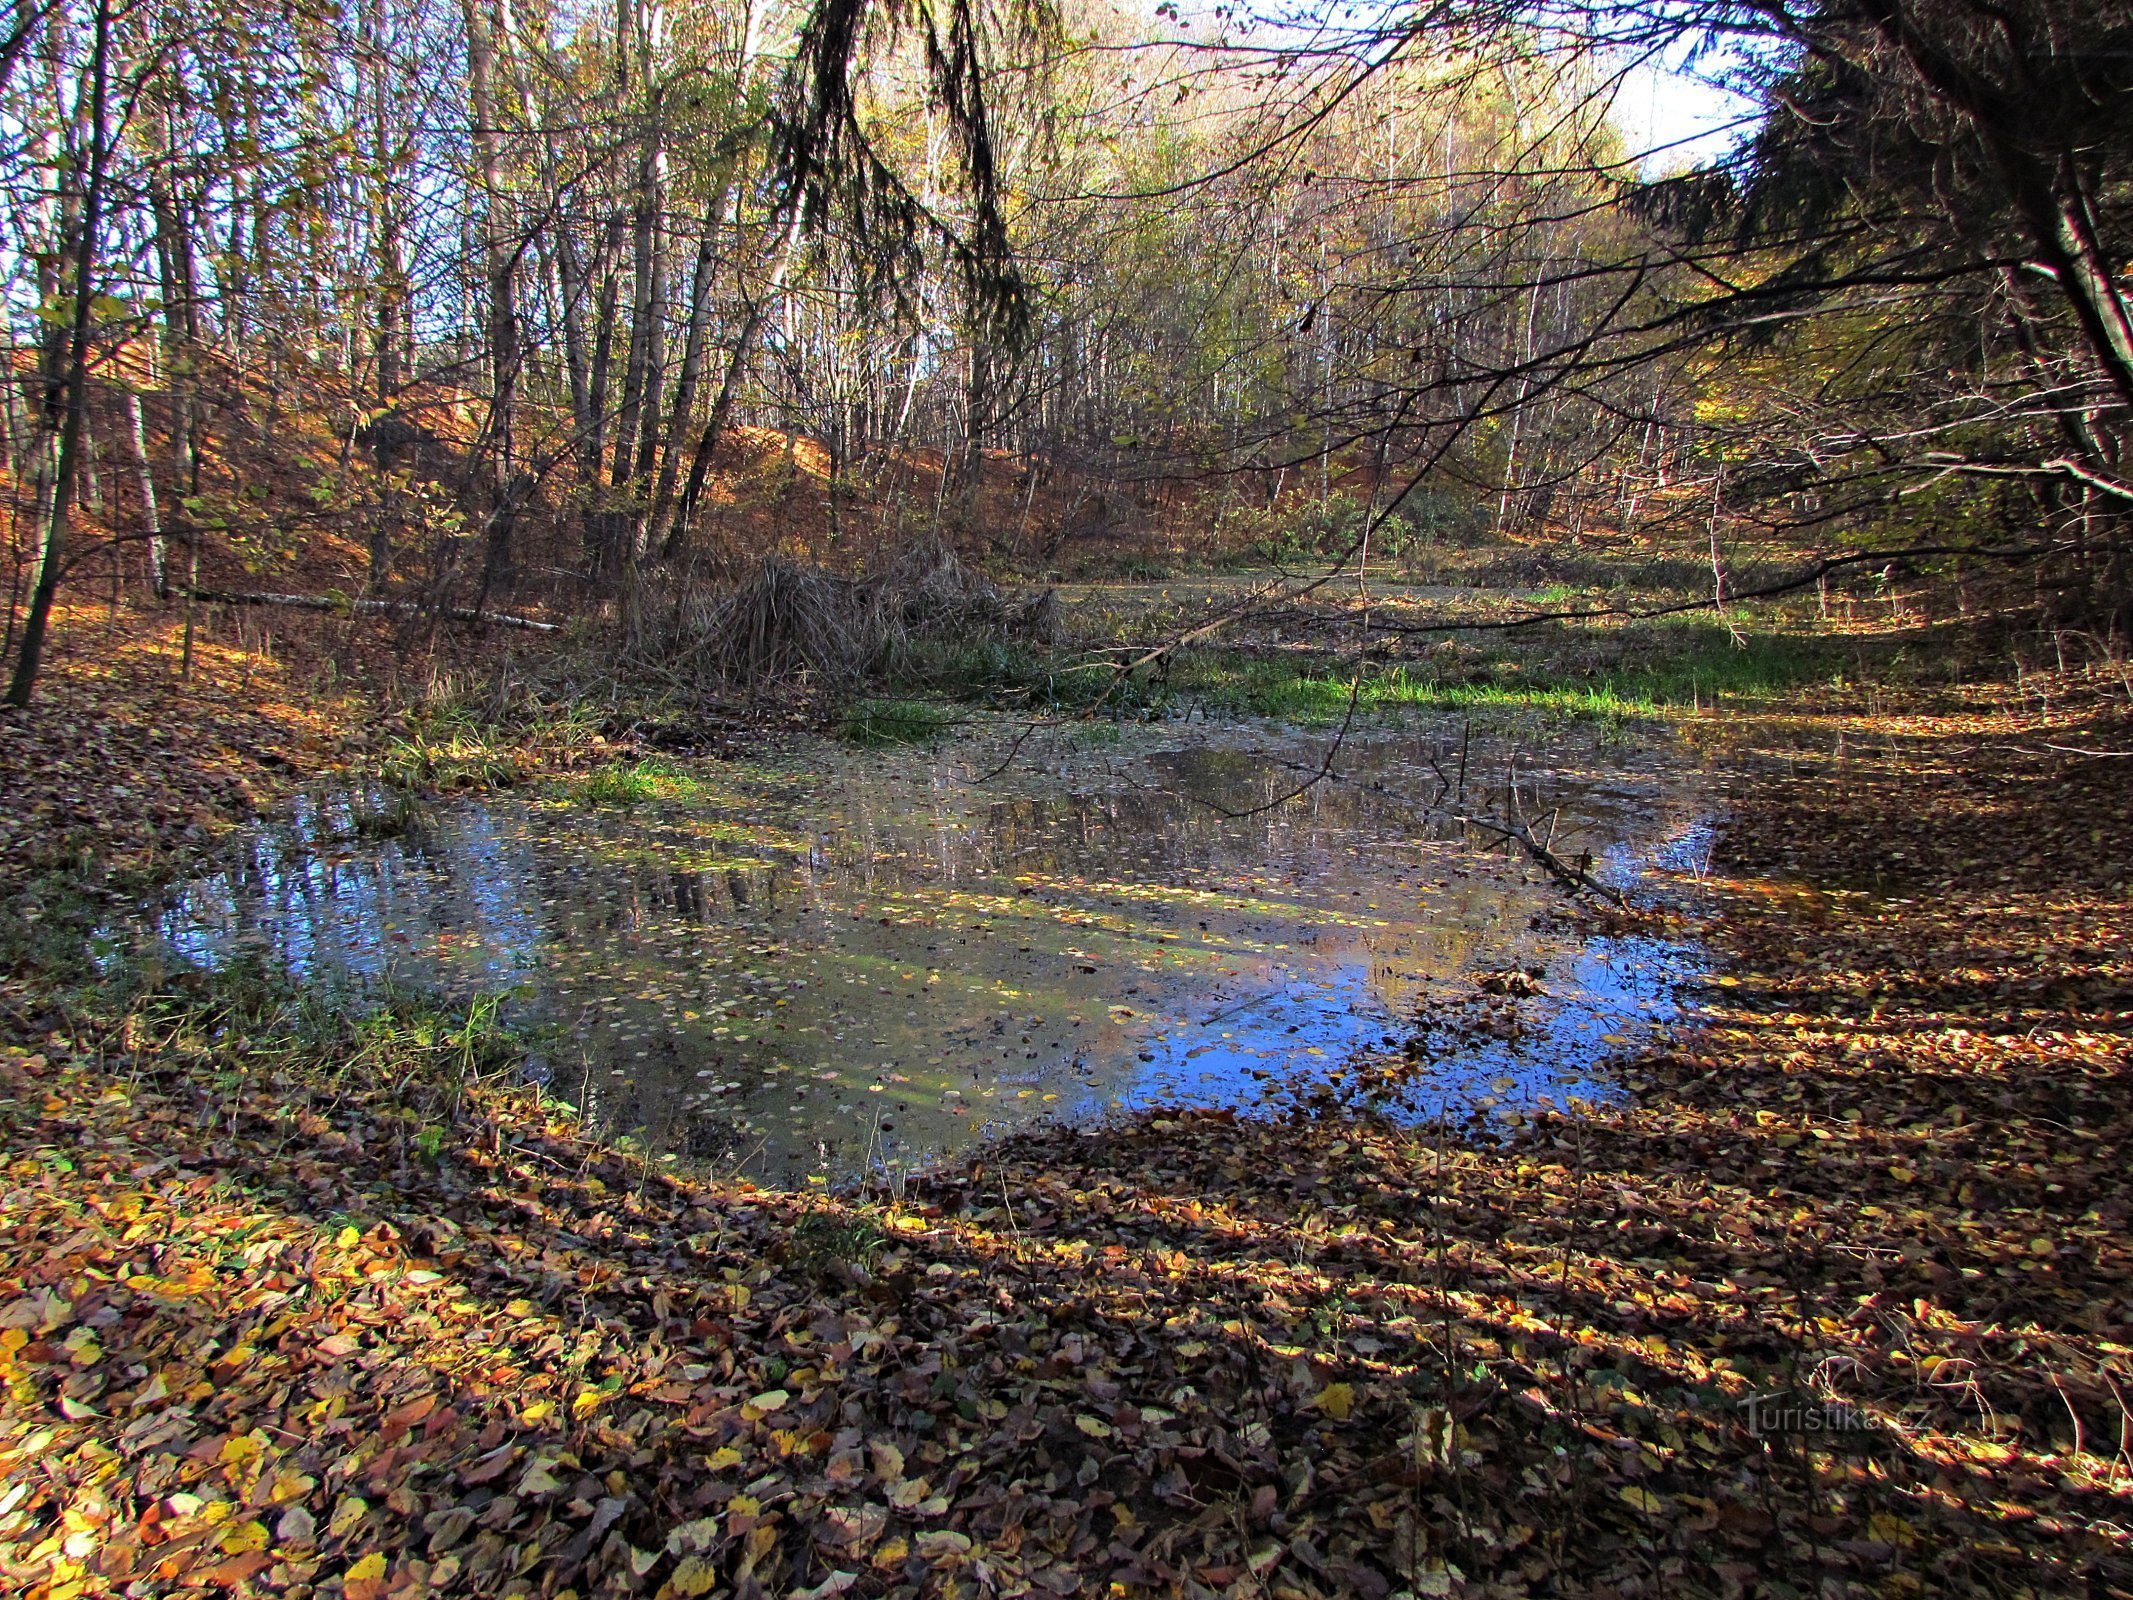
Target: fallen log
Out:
[350,605]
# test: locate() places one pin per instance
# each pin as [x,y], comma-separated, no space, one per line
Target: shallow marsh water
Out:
[831,961]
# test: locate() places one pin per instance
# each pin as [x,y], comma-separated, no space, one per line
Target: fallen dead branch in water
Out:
[1576,876]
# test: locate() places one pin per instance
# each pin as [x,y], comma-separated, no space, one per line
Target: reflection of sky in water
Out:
[327,913]
[1609,988]
[836,959]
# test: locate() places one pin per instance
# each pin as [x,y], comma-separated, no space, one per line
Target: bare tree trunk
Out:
[692,362]
[391,333]
[662,527]
[144,476]
[570,291]
[603,344]
[722,406]
[655,337]
[505,492]
[598,541]
[962,472]
[177,267]
[643,308]
[68,405]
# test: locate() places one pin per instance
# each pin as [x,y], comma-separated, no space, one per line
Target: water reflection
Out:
[830,961]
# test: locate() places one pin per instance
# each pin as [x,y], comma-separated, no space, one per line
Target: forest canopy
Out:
[497,289]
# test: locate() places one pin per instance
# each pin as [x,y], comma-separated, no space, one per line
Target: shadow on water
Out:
[807,967]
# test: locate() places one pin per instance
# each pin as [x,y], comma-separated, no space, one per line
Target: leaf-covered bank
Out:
[292,1304]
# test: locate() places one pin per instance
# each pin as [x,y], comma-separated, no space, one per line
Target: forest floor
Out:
[1840,1302]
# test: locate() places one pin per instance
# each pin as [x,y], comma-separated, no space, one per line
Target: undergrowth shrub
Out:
[1301,532]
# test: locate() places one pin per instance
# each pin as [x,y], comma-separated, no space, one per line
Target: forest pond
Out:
[830,961]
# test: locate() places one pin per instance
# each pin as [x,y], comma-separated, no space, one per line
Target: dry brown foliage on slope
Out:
[120,767]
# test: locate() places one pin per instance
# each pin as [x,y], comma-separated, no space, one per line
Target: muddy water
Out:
[833,961]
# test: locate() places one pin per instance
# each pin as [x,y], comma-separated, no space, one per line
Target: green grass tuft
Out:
[1568,674]
[873,724]
[630,783]
[450,746]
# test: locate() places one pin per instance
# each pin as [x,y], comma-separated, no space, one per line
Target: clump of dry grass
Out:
[938,594]
[786,621]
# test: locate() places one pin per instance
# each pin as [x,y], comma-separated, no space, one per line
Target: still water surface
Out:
[831,961]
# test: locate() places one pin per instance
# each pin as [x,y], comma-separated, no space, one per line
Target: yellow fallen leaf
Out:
[347,1516]
[694,1536]
[244,1538]
[1336,1400]
[1892,1530]
[695,1576]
